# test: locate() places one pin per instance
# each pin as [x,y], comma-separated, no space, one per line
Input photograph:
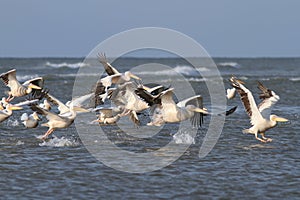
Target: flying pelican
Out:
[114,76]
[56,121]
[166,110]
[260,116]
[125,97]
[17,89]
[108,115]
[30,121]
[8,111]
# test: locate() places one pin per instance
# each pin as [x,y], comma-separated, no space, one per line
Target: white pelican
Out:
[8,111]
[17,89]
[30,121]
[166,110]
[56,121]
[260,116]
[124,96]
[108,115]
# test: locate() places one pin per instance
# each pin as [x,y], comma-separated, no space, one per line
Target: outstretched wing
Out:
[269,100]
[110,70]
[49,115]
[197,119]
[247,100]
[9,77]
[61,106]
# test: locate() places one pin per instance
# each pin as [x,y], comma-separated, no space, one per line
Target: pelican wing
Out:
[79,101]
[269,100]
[248,101]
[110,70]
[49,115]
[9,77]
[197,119]
[38,81]
[147,96]
[61,106]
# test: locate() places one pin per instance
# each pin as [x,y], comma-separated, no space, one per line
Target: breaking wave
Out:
[183,69]
[69,65]
[229,64]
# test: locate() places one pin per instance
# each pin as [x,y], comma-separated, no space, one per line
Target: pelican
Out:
[17,89]
[261,118]
[8,111]
[166,110]
[114,76]
[56,121]
[108,115]
[125,97]
[30,121]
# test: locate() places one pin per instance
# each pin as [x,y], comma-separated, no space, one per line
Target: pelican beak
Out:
[240,82]
[34,86]
[1,107]
[16,108]
[35,116]
[201,110]
[146,88]
[281,119]
[135,77]
[79,109]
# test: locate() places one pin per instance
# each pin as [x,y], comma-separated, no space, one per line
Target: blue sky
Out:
[228,28]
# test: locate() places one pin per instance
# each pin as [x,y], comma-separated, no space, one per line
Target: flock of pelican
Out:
[129,97]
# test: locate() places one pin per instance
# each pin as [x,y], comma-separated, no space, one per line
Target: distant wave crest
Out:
[229,64]
[64,64]
[181,69]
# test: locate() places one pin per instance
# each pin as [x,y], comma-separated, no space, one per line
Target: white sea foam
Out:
[183,138]
[69,65]
[181,69]
[12,122]
[295,79]
[59,142]
[229,64]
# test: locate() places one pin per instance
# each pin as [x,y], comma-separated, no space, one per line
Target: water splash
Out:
[59,142]
[182,137]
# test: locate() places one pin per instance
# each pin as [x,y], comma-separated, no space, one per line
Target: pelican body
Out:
[261,118]
[30,121]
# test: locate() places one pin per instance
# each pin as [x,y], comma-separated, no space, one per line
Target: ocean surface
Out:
[238,166]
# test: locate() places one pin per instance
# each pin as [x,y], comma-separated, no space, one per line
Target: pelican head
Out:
[196,109]
[275,118]
[131,75]
[35,116]
[32,86]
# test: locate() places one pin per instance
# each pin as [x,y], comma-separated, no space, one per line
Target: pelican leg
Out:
[265,138]
[9,98]
[258,138]
[47,133]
